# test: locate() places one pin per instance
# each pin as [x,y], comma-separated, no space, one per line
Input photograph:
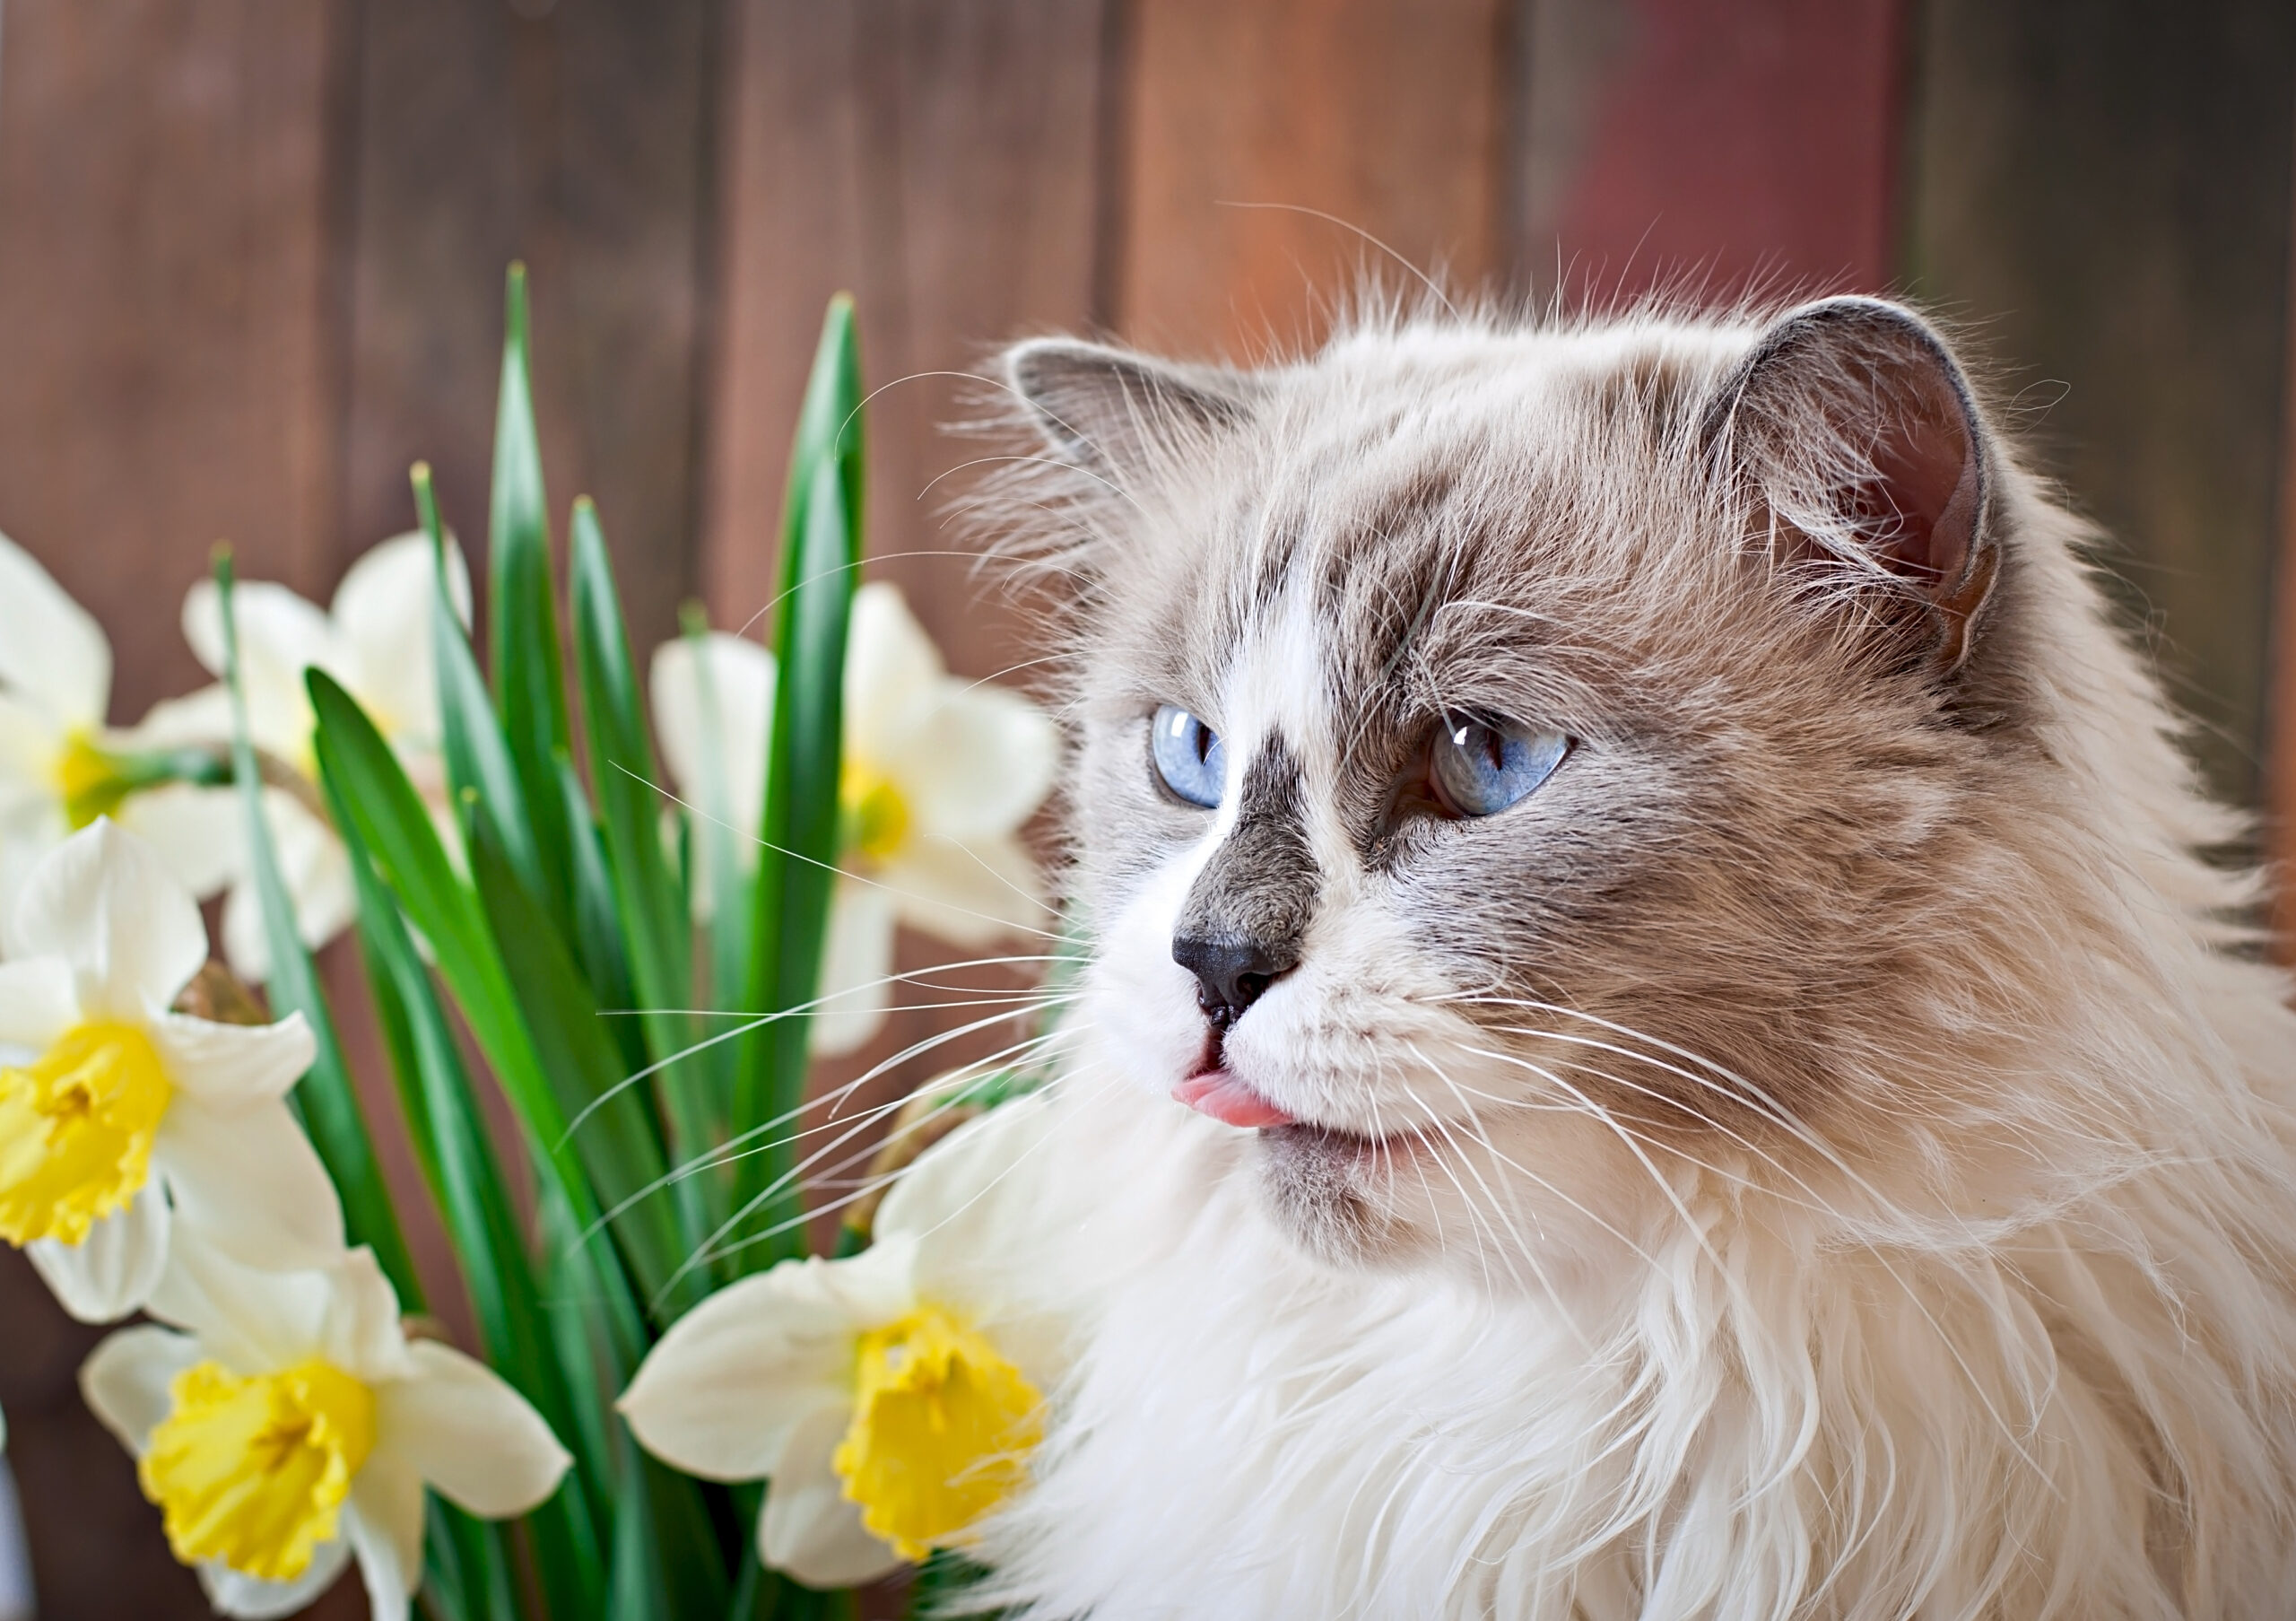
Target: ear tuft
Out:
[1857,429]
[1113,412]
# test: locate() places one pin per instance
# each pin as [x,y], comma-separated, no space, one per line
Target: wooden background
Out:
[250,258]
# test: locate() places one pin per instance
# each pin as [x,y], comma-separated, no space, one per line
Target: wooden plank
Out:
[1387,115]
[2280,758]
[164,379]
[2105,198]
[163,373]
[579,136]
[942,163]
[1706,146]
[939,162]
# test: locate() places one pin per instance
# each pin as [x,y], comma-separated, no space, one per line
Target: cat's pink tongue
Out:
[1227,1100]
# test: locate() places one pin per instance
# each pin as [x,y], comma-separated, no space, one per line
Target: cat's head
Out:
[1522,769]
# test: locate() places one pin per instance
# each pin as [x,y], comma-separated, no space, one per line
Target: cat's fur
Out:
[1838,1150]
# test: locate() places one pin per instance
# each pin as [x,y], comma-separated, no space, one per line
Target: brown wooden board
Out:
[1385,114]
[164,382]
[941,163]
[163,370]
[2100,191]
[1711,148]
[2280,791]
[579,136]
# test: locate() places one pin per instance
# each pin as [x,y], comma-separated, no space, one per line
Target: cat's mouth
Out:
[1216,1090]
[1212,1089]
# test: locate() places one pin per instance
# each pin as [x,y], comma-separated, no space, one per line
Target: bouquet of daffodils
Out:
[670,1408]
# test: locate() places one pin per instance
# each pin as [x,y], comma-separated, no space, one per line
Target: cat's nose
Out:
[1231,970]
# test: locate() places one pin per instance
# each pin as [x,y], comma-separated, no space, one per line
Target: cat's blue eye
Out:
[1188,755]
[1480,769]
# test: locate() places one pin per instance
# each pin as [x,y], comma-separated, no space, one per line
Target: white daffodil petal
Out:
[474,1439]
[247,939]
[201,716]
[977,1205]
[126,1379]
[198,833]
[809,1528]
[720,1394]
[103,902]
[29,742]
[856,967]
[251,1319]
[252,1599]
[250,1182]
[277,629]
[973,895]
[232,1067]
[316,870]
[360,1331]
[52,650]
[892,675]
[981,765]
[382,618]
[37,1002]
[383,1523]
[115,1269]
[281,636]
[710,716]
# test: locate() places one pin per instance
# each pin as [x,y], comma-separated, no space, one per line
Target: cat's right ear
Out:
[1855,427]
[1119,415]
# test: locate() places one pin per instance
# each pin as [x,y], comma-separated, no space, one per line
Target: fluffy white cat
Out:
[1655,1042]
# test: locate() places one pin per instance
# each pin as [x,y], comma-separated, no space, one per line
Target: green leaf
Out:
[653,909]
[376,803]
[480,770]
[530,682]
[597,919]
[651,902]
[326,1096]
[466,1574]
[611,1132]
[467,1182]
[798,838]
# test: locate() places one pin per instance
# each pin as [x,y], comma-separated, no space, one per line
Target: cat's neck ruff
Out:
[1742,1420]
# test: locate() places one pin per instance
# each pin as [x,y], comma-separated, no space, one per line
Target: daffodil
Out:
[940,773]
[286,1425]
[61,764]
[891,1398]
[376,641]
[124,1119]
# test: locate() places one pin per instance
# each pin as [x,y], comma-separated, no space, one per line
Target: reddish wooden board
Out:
[1708,147]
[1385,114]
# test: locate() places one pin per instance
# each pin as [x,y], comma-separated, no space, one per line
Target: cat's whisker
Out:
[2010,1433]
[819,1006]
[791,1224]
[1579,1206]
[747,1143]
[868,1117]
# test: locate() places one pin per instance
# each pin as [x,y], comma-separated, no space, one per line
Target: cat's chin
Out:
[1329,1192]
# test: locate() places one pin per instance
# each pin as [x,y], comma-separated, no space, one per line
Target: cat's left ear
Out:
[1858,431]
[1122,415]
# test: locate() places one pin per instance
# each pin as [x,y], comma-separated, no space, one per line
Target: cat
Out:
[1657,1039]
